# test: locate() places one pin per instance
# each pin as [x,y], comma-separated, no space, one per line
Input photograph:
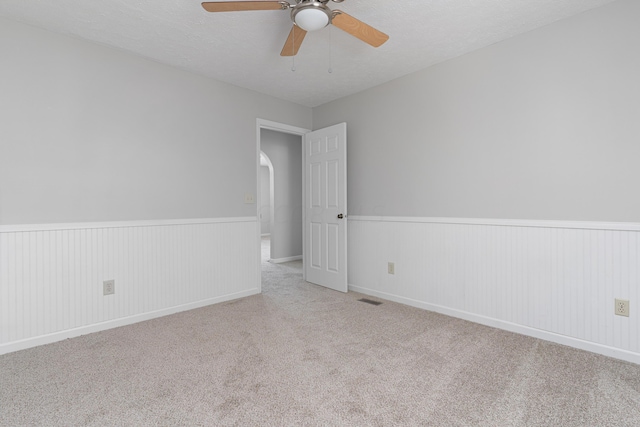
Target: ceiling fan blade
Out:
[293,42]
[237,6]
[358,29]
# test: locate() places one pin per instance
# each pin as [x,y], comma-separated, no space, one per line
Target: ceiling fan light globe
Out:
[311,19]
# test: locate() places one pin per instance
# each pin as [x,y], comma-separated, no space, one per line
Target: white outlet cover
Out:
[622,307]
[248,198]
[108,287]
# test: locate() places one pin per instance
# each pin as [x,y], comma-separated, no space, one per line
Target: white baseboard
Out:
[84,330]
[507,326]
[287,259]
[266,235]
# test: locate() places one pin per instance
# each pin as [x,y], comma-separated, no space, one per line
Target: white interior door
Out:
[325,210]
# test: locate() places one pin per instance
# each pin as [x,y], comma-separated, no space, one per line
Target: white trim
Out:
[287,259]
[120,224]
[280,127]
[84,330]
[581,225]
[265,235]
[507,326]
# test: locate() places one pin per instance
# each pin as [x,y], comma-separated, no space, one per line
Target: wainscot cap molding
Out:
[580,225]
[120,224]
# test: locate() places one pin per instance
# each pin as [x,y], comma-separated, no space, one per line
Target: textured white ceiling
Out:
[243,48]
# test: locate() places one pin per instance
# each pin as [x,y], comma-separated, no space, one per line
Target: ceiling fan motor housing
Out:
[311,15]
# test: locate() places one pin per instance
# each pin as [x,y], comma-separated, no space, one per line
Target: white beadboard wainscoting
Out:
[51,276]
[551,280]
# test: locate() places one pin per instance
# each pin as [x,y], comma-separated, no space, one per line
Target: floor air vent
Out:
[370,301]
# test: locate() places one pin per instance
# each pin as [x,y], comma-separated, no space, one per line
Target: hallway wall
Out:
[285,152]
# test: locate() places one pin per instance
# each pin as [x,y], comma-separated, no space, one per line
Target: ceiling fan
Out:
[307,15]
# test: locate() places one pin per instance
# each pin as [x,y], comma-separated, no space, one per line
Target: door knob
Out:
[340,216]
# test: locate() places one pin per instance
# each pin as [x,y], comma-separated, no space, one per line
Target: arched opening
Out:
[267,204]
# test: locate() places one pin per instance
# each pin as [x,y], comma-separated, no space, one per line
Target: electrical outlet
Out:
[108,287]
[622,307]
[391,268]
[249,199]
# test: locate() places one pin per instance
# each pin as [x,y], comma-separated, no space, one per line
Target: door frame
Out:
[283,128]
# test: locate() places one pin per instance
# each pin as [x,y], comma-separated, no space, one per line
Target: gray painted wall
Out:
[90,133]
[542,126]
[265,200]
[285,153]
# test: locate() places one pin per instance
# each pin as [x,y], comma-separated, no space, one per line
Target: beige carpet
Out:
[302,355]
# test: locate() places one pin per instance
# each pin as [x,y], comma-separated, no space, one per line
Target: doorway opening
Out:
[319,239]
[280,194]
